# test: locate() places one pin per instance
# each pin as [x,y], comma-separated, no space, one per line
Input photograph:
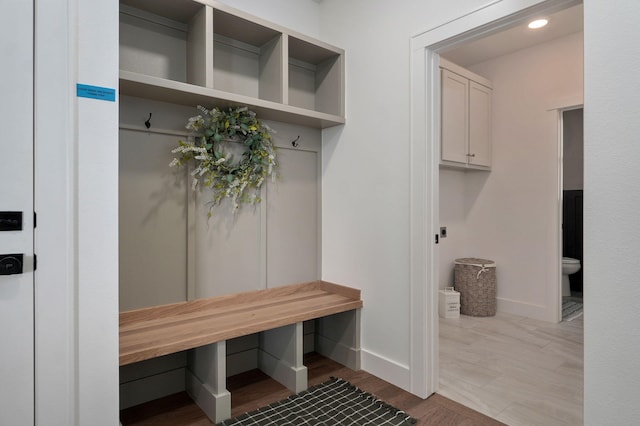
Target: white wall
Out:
[366,205]
[453,216]
[511,213]
[611,203]
[299,15]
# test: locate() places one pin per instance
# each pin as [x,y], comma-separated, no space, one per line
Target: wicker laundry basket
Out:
[475,279]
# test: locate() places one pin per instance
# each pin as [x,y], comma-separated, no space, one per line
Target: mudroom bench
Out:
[204,326]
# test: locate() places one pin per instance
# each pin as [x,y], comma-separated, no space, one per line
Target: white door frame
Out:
[76,199]
[55,183]
[425,154]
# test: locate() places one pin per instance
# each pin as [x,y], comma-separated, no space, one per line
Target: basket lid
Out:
[474,261]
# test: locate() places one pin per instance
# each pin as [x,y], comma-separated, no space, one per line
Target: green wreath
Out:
[239,181]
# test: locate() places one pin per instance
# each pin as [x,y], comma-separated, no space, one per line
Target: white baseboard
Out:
[386,369]
[216,406]
[294,378]
[338,352]
[152,387]
[517,307]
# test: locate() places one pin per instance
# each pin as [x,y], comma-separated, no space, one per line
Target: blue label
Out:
[95,92]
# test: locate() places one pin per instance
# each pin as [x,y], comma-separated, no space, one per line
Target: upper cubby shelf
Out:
[203,52]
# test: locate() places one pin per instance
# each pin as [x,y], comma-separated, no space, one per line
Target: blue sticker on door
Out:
[95,92]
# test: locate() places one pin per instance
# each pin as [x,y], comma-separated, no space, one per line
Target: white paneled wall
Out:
[167,241]
[293,247]
[170,250]
[153,221]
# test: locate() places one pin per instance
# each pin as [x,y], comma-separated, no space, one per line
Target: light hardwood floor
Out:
[517,370]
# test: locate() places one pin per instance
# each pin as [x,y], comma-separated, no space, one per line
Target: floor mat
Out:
[571,309]
[334,402]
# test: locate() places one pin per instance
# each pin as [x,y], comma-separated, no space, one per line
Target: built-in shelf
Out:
[315,76]
[160,89]
[202,52]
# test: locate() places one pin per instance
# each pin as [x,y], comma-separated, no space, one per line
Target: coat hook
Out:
[148,122]
[295,142]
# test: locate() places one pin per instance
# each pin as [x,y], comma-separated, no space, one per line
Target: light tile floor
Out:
[517,370]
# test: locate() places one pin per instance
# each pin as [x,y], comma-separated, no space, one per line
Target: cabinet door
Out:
[455,107]
[479,125]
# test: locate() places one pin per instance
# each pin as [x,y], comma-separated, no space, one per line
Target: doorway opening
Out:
[425,164]
[572,164]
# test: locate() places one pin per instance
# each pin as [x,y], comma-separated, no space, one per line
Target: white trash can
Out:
[449,303]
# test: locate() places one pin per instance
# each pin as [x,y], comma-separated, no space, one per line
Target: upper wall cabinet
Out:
[466,118]
[203,52]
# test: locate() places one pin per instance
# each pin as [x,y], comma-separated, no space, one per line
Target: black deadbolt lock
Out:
[10,221]
[11,264]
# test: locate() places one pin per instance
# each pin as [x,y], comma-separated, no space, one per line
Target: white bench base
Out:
[280,356]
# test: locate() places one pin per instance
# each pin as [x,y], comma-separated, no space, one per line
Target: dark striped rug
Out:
[334,402]
[571,309]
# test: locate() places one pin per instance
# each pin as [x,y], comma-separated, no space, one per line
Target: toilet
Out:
[569,266]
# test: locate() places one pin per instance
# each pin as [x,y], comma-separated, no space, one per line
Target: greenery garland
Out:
[240,181]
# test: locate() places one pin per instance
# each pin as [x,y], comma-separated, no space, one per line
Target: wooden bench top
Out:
[160,330]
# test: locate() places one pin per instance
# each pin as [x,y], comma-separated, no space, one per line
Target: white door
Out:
[479,124]
[455,117]
[16,195]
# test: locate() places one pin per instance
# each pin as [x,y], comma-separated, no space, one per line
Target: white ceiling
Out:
[562,23]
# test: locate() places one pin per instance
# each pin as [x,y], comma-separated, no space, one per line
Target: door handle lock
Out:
[11,264]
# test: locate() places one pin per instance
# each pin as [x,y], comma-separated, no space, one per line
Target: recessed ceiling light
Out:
[538,23]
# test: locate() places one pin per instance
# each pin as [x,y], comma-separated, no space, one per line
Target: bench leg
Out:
[338,338]
[206,380]
[280,356]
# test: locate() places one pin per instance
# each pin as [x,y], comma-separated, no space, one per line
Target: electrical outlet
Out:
[443,232]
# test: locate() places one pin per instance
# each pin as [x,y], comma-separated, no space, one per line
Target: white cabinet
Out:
[465,118]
